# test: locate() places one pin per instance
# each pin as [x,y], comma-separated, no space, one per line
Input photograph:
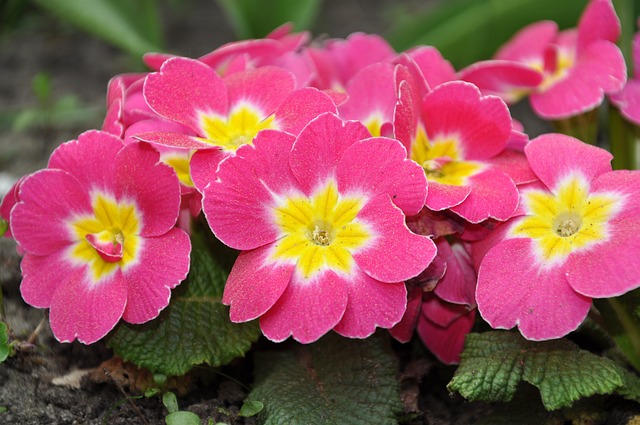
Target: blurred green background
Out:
[464,30]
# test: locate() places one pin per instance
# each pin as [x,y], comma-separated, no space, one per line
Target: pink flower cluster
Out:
[364,189]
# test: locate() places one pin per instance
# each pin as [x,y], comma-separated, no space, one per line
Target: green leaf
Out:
[250,408]
[182,418]
[466,31]
[170,402]
[194,329]
[333,381]
[127,24]
[4,226]
[250,19]
[5,348]
[493,363]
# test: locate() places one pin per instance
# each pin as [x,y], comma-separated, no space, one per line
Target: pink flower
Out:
[456,134]
[98,229]
[441,303]
[575,239]
[320,222]
[579,66]
[628,100]
[337,61]
[225,113]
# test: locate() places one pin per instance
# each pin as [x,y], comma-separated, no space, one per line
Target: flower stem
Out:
[624,144]
[583,126]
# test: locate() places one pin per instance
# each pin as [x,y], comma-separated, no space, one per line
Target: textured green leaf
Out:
[493,363]
[5,347]
[182,418]
[194,329]
[333,381]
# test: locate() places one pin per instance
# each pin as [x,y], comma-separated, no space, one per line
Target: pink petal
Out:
[628,101]
[554,156]
[307,309]
[407,113]
[158,125]
[434,67]
[48,200]
[41,277]
[89,159]
[139,175]
[611,268]
[515,165]
[238,209]
[599,70]
[395,254]
[203,166]
[319,148]
[442,196]
[371,304]
[458,284]
[481,124]
[185,88]
[113,119]
[403,330]
[446,342]
[598,22]
[507,79]
[174,140]
[155,60]
[513,290]
[87,310]
[386,171]
[300,107]
[8,201]
[493,195]
[264,88]
[163,264]
[529,44]
[255,284]
[371,91]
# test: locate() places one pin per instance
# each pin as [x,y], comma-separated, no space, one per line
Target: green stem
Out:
[583,126]
[626,13]
[623,141]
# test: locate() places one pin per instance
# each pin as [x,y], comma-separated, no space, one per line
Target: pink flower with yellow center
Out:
[579,66]
[226,113]
[320,222]
[575,240]
[98,230]
[458,137]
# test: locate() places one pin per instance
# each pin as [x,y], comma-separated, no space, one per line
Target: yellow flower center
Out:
[321,231]
[239,128]
[374,124]
[571,220]
[180,164]
[109,238]
[442,160]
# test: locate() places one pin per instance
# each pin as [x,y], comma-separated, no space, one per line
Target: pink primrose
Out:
[98,230]
[321,229]
[579,66]
[455,133]
[574,239]
[225,113]
[441,303]
[337,61]
[628,100]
